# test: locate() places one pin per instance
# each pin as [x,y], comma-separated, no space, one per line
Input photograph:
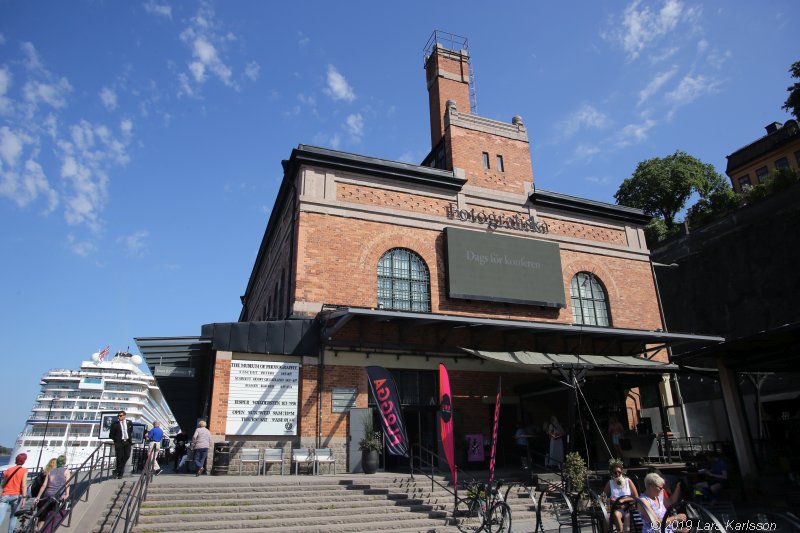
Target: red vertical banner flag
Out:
[446,407]
[494,429]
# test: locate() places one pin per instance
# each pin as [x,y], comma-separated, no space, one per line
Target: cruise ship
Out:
[75,408]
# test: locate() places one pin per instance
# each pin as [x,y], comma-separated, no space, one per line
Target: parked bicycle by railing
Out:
[484,508]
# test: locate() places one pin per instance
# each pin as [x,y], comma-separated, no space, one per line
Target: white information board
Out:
[262,398]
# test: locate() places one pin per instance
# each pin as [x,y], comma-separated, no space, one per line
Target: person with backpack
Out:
[14,490]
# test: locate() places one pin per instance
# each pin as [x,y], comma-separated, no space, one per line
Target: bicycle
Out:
[484,509]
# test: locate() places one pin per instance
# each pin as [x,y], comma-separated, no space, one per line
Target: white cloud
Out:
[154,8]
[252,70]
[585,152]
[655,84]
[136,243]
[408,157]
[22,182]
[598,180]
[31,61]
[690,89]
[641,26]
[702,46]
[302,38]
[355,125]
[87,157]
[2,39]
[5,84]
[11,144]
[81,248]
[338,88]
[586,117]
[109,98]
[126,127]
[52,94]
[633,133]
[664,54]
[206,43]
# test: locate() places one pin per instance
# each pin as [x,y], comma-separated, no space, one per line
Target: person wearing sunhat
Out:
[14,490]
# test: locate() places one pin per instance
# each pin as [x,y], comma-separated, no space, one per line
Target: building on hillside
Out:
[779,148]
[459,260]
[735,277]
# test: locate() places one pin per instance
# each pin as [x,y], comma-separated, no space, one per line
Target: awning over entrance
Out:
[537,362]
[544,337]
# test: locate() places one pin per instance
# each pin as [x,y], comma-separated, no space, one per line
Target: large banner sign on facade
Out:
[385,393]
[262,398]
[499,268]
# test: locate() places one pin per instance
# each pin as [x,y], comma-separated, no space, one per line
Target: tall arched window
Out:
[403,282]
[589,301]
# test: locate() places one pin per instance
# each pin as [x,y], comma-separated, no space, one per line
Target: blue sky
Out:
[140,142]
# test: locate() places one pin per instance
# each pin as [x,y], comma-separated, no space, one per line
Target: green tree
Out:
[792,103]
[661,187]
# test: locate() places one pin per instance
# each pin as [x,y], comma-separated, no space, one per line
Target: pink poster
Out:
[446,406]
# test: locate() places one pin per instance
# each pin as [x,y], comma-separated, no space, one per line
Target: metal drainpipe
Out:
[291,283]
[320,385]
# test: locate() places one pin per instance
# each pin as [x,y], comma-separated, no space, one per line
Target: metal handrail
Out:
[138,493]
[96,467]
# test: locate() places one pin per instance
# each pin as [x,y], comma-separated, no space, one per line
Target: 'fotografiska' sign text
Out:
[262,398]
[494,221]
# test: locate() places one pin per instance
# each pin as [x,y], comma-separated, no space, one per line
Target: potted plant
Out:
[371,445]
[576,475]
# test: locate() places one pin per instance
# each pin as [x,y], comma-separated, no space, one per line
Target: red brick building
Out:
[459,260]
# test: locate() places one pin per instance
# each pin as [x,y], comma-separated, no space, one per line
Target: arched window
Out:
[589,301]
[403,282]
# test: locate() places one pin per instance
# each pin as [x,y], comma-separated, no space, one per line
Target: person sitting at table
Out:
[653,505]
[715,476]
[619,490]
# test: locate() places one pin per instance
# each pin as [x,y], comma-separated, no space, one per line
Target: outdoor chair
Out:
[272,456]
[562,509]
[252,456]
[303,456]
[324,456]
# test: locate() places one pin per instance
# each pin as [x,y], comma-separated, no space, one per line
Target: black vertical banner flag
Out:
[385,393]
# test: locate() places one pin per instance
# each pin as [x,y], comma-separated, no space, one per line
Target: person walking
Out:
[56,480]
[155,436]
[120,432]
[201,442]
[14,490]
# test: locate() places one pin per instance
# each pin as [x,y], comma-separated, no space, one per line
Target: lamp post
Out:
[674,378]
[44,436]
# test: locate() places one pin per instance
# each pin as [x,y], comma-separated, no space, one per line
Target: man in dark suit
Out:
[120,432]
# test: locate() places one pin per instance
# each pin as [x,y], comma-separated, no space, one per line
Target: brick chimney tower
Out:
[447,73]
[489,153]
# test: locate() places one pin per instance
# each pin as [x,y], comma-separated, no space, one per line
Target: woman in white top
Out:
[619,490]
[655,504]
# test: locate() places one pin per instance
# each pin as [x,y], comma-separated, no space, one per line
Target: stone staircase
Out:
[308,504]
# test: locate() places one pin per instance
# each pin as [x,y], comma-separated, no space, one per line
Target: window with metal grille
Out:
[589,301]
[403,282]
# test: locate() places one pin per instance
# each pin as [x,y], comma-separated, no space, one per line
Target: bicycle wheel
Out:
[468,515]
[499,518]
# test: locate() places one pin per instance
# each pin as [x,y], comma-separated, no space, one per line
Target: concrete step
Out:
[331,523]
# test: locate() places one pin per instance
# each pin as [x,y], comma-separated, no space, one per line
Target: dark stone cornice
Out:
[373,166]
[573,204]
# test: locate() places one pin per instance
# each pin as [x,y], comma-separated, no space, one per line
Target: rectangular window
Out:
[486,160]
[781,163]
[744,180]
[761,174]
[500,166]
